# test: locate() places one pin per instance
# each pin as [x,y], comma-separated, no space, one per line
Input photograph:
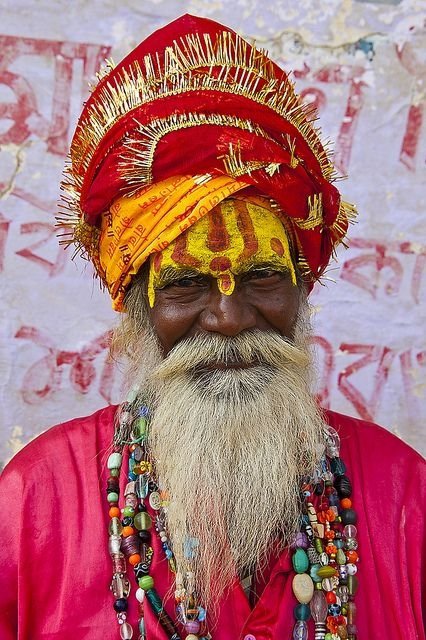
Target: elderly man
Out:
[214,502]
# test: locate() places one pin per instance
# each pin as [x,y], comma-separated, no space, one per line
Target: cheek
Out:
[283,313]
[171,322]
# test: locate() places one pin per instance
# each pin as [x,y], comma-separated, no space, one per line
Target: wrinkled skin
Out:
[263,299]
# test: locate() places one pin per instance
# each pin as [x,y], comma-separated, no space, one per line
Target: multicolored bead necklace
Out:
[130,536]
[324,551]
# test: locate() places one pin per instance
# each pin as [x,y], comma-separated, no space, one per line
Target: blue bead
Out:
[302,612]
[169,554]
[201,614]
[334,609]
[333,500]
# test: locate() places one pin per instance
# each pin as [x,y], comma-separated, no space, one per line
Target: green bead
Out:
[129,512]
[352,585]
[114,473]
[302,612]
[112,497]
[326,571]
[340,557]
[300,561]
[141,427]
[328,636]
[114,461]
[146,583]
[142,521]
[318,545]
[115,527]
[154,600]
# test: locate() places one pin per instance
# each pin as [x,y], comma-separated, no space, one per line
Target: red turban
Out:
[195,99]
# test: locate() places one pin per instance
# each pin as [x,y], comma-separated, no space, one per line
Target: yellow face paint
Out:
[230,240]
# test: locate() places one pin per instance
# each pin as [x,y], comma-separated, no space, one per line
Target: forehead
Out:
[233,236]
[230,240]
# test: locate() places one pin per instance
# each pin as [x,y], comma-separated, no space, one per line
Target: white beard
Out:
[230,445]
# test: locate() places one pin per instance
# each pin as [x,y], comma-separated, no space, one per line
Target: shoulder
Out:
[79,437]
[382,463]
[369,438]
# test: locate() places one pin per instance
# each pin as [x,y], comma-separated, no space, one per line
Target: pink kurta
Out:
[55,569]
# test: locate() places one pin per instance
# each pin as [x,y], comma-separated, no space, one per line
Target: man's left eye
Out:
[260,274]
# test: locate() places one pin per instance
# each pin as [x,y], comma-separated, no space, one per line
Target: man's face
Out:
[192,304]
[231,272]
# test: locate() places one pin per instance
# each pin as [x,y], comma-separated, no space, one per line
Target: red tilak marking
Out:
[245,225]
[277,246]
[217,237]
[181,255]
[220,263]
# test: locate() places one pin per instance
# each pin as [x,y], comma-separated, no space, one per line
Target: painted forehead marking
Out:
[233,237]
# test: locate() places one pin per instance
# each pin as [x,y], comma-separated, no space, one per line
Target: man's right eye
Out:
[187,281]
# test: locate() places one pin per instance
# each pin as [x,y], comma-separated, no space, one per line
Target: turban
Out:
[191,116]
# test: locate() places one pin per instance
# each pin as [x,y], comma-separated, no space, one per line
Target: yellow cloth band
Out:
[148,221]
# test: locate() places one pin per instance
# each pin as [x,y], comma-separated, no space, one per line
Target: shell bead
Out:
[303,587]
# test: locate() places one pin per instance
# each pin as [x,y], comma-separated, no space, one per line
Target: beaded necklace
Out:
[324,554]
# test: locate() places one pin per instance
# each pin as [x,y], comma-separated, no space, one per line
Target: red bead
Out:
[352,557]
[330,596]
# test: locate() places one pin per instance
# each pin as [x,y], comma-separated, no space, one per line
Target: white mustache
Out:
[254,347]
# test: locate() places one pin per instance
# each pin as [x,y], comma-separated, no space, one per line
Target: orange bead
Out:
[352,556]
[330,534]
[346,503]
[134,559]
[128,531]
[114,512]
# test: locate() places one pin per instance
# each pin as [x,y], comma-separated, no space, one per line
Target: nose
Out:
[228,315]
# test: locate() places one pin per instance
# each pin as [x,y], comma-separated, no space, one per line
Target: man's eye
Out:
[187,281]
[260,274]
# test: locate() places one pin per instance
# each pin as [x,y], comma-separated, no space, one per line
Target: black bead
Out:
[348,516]
[145,535]
[141,569]
[343,486]
[141,506]
[127,521]
[112,489]
[120,605]
[152,486]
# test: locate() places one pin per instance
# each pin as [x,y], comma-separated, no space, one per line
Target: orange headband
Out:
[147,222]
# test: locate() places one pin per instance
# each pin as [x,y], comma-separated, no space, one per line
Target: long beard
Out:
[230,446]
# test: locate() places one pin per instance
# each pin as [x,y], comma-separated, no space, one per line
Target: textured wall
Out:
[363,63]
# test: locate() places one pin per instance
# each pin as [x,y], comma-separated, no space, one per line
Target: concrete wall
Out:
[363,63]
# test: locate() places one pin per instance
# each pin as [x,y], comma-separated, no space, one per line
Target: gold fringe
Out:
[241,71]
[315,213]
[235,165]
[136,163]
[347,215]
[291,142]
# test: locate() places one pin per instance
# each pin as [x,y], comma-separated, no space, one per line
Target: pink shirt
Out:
[55,569]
